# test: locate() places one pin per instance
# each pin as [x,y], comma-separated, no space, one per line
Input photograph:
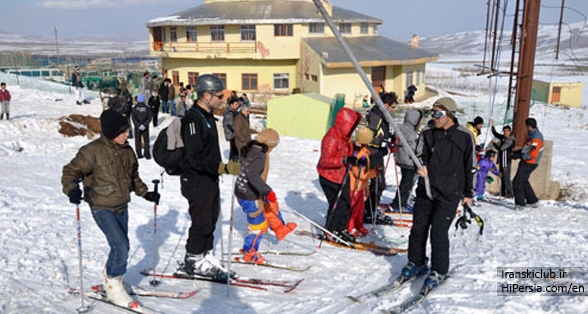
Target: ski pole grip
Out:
[156,182]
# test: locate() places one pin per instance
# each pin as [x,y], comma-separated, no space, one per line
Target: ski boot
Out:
[433,280]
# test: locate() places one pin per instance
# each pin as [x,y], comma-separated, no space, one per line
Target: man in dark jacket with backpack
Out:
[142,116]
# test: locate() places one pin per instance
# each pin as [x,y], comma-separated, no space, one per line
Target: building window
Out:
[281,81]
[375,29]
[247,32]
[345,28]
[217,33]
[192,77]
[418,78]
[191,35]
[249,81]
[222,77]
[364,28]
[379,77]
[283,30]
[316,28]
[307,76]
[409,78]
[314,78]
[173,34]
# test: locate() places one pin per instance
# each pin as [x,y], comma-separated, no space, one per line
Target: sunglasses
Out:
[438,113]
[219,96]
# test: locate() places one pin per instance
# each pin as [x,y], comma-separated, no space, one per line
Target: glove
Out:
[489,179]
[393,144]
[75,196]
[152,197]
[232,167]
[363,161]
[350,160]
[142,127]
[271,197]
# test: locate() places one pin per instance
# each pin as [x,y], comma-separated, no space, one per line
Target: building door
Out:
[379,77]
[555,95]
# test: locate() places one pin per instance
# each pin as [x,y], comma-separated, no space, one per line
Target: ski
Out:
[362,246]
[387,289]
[141,310]
[239,260]
[498,202]
[252,283]
[272,252]
[415,300]
[140,292]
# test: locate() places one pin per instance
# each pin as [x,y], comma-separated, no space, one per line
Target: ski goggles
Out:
[438,113]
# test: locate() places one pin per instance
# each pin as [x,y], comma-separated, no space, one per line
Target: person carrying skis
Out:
[448,158]
[412,120]
[504,143]
[379,147]
[109,172]
[333,166]
[485,165]
[251,186]
[141,114]
[200,180]
[359,176]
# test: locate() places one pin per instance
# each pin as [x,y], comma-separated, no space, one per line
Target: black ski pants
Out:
[406,184]
[431,218]
[523,191]
[339,210]
[203,195]
[142,135]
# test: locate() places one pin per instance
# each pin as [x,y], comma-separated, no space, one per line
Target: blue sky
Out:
[402,19]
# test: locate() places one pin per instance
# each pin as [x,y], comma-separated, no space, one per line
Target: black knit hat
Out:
[113,123]
[478,120]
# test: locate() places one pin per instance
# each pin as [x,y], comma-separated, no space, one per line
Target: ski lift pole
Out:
[368,84]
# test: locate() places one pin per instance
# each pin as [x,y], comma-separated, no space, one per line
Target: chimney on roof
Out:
[414,42]
[324,54]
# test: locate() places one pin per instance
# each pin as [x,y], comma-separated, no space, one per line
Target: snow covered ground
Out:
[39,261]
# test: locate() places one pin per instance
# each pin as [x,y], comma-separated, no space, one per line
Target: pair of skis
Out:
[374,248]
[99,294]
[244,282]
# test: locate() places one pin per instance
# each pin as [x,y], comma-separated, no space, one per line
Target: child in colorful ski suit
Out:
[486,164]
[359,176]
[251,187]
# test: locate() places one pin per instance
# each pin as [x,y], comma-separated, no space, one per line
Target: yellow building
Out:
[267,47]
[558,93]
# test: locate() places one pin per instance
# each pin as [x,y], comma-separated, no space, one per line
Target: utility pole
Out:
[528,44]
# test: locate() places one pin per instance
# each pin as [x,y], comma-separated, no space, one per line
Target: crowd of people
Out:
[351,171]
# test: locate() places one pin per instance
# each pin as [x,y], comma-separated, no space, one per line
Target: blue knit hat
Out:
[141,98]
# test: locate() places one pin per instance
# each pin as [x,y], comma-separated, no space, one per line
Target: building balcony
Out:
[178,48]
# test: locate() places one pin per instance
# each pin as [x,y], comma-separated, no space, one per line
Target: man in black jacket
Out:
[200,180]
[447,153]
[504,144]
[142,116]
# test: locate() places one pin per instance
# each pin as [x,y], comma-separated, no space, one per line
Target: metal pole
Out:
[371,88]
[154,282]
[83,308]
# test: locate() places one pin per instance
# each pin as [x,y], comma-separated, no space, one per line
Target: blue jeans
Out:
[172,106]
[115,227]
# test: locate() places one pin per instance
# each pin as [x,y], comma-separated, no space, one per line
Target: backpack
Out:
[170,160]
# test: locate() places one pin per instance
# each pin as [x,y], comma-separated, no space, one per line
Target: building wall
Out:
[570,95]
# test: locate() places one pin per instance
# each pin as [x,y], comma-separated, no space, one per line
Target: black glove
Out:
[363,161]
[350,160]
[75,196]
[152,197]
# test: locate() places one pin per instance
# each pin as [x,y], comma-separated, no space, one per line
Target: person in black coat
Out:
[153,103]
[504,144]
[141,115]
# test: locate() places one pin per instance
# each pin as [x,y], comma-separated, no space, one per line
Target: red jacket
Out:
[336,145]
[4,95]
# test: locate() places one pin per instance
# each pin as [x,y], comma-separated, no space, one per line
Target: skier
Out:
[504,143]
[485,165]
[109,171]
[447,154]
[359,176]
[412,120]
[251,186]
[200,180]
[530,156]
[334,162]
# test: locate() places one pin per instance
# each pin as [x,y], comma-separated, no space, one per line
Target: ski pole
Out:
[397,186]
[299,214]
[154,282]
[231,225]
[82,308]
